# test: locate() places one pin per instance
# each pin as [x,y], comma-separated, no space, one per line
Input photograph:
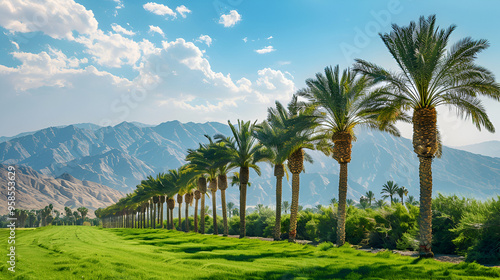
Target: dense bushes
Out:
[460,226]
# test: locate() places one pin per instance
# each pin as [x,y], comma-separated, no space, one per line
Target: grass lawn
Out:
[77,252]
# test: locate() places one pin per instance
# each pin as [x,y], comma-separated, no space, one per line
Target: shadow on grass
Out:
[249,257]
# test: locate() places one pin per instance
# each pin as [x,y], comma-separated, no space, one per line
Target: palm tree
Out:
[402,191]
[230,207]
[69,214]
[349,202]
[279,134]
[390,189]
[197,197]
[286,206]
[411,200]
[333,201]
[179,202]
[83,211]
[244,152]
[202,188]
[212,186]
[343,104]
[396,200]
[380,203]
[370,196]
[431,74]
[171,206]
[188,198]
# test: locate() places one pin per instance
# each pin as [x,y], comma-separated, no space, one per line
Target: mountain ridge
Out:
[123,155]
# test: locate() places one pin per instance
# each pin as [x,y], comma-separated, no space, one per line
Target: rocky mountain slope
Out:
[121,156]
[35,191]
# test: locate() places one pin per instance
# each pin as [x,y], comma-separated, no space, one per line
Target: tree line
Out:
[323,116]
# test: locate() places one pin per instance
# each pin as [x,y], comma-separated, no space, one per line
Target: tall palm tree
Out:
[370,196]
[197,197]
[349,202]
[180,198]
[402,191]
[342,104]
[390,189]
[411,200]
[83,211]
[279,135]
[212,186]
[244,152]
[431,74]
[230,207]
[380,203]
[286,206]
[202,187]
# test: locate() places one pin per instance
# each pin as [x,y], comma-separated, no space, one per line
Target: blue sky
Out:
[105,62]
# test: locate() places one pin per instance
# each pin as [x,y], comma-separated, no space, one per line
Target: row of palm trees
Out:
[324,116]
[48,215]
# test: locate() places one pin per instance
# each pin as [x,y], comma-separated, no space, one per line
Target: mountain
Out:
[90,126]
[123,155]
[489,148]
[35,191]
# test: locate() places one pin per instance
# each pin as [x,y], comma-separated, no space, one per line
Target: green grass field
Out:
[76,252]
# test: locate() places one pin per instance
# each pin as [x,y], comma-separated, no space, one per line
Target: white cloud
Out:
[119,4]
[205,39]
[158,9]
[156,29]
[284,63]
[230,19]
[273,85]
[269,38]
[112,49]
[267,49]
[182,10]
[57,19]
[245,39]
[52,68]
[15,44]
[119,29]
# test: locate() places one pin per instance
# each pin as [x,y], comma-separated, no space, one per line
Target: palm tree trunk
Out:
[202,213]
[244,176]
[278,172]
[168,217]
[425,219]
[214,212]
[196,215]
[295,206]
[277,226]
[186,219]
[222,182]
[224,210]
[162,202]
[180,216]
[342,204]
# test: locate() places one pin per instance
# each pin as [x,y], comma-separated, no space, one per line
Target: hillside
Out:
[121,156]
[35,191]
[489,148]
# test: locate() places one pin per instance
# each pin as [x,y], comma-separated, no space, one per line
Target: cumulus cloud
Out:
[57,19]
[245,39]
[269,38]
[205,39]
[230,19]
[119,29]
[267,49]
[50,68]
[158,9]
[183,11]
[156,29]
[111,49]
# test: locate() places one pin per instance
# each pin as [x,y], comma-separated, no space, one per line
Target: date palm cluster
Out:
[323,116]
